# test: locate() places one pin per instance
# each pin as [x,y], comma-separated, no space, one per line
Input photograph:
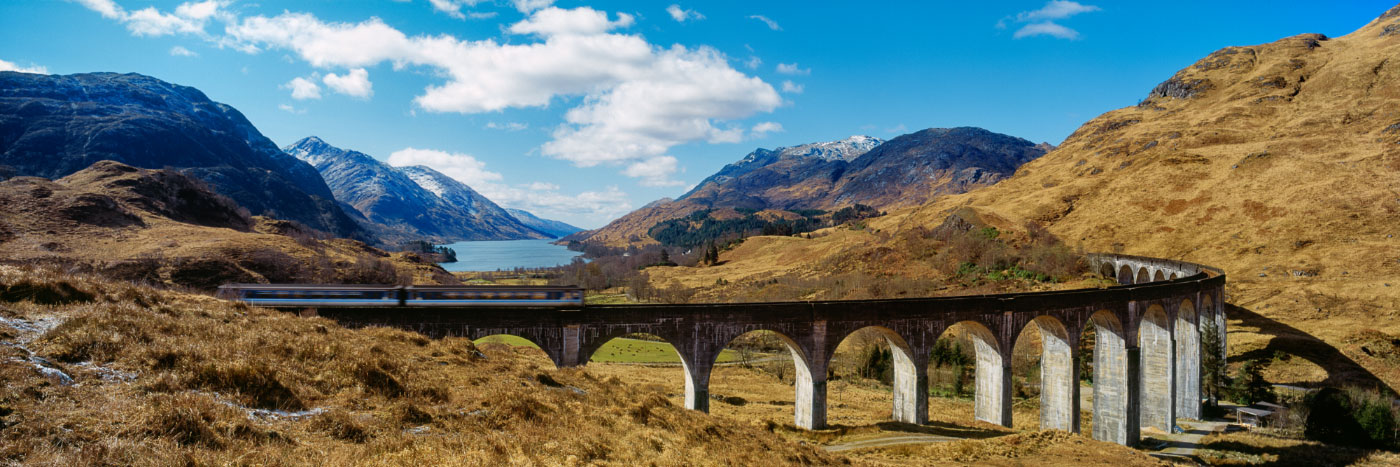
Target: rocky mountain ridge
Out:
[55,125]
[408,203]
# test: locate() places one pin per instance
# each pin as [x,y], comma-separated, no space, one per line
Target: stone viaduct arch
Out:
[1146,357]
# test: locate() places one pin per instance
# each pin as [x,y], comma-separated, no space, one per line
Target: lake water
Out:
[508,254]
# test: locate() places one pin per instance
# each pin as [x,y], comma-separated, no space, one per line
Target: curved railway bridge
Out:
[1146,354]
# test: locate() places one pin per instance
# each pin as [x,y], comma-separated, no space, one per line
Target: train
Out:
[320,295]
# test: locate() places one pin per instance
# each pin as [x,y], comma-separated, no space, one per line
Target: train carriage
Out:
[314,296]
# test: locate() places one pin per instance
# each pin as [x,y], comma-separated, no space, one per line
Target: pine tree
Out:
[665,257]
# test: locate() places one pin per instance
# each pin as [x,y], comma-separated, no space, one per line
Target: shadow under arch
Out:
[1142,276]
[516,341]
[1158,276]
[909,386]
[1058,382]
[1156,352]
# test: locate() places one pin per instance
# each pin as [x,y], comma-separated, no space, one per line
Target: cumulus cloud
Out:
[453,8]
[771,24]
[635,100]
[303,88]
[188,18]
[178,51]
[764,128]
[1041,22]
[526,6]
[32,68]
[793,88]
[355,83]
[682,15]
[655,171]
[792,69]
[463,167]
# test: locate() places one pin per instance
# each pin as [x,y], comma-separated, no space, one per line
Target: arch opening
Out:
[514,344]
[1043,369]
[1158,276]
[968,350]
[1125,275]
[1157,352]
[766,366]
[1142,276]
[876,355]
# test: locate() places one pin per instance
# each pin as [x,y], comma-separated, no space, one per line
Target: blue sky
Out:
[582,111]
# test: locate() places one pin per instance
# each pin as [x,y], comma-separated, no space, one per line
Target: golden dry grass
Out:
[191,379]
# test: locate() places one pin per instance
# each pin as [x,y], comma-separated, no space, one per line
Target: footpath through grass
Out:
[620,350]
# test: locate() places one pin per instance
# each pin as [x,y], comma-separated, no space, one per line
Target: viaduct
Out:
[1146,358]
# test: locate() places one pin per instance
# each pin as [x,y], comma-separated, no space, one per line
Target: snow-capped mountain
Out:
[404,203]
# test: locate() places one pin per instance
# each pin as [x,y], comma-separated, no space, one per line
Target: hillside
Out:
[161,226]
[552,227]
[1278,162]
[54,125]
[403,204]
[904,171]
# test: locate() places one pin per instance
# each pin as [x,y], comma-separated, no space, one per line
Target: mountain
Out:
[551,227]
[409,203]
[905,171]
[163,226]
[52,126]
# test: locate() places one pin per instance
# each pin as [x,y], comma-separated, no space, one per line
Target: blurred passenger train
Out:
[308,296]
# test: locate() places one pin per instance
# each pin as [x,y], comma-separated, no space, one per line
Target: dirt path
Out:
[893,439]
[1184,445]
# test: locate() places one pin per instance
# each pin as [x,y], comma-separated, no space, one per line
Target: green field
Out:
[620,350]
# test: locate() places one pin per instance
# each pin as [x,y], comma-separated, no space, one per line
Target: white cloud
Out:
[793,88]
[32,68]
[463,167]
[355,83]
[178,51]
[188,18]
[542,186]
[771,24]
[753,62]
[453,8]
[792,69]
[1046,28]
[508,126]
[764,128]
[526,6]
[655,171]
[681,15]
[583,21]
[290,109]
[303,88]
[107,8]
[632,100]
[1056,9]
[481,14]
[1041,22]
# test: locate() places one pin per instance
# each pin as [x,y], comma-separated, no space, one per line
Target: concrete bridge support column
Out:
[1157,365]
[572,354]
[910,386]
[992,401]
[1115,387]
[1059,384]
[1188,365]
[697,384]
[810,412]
